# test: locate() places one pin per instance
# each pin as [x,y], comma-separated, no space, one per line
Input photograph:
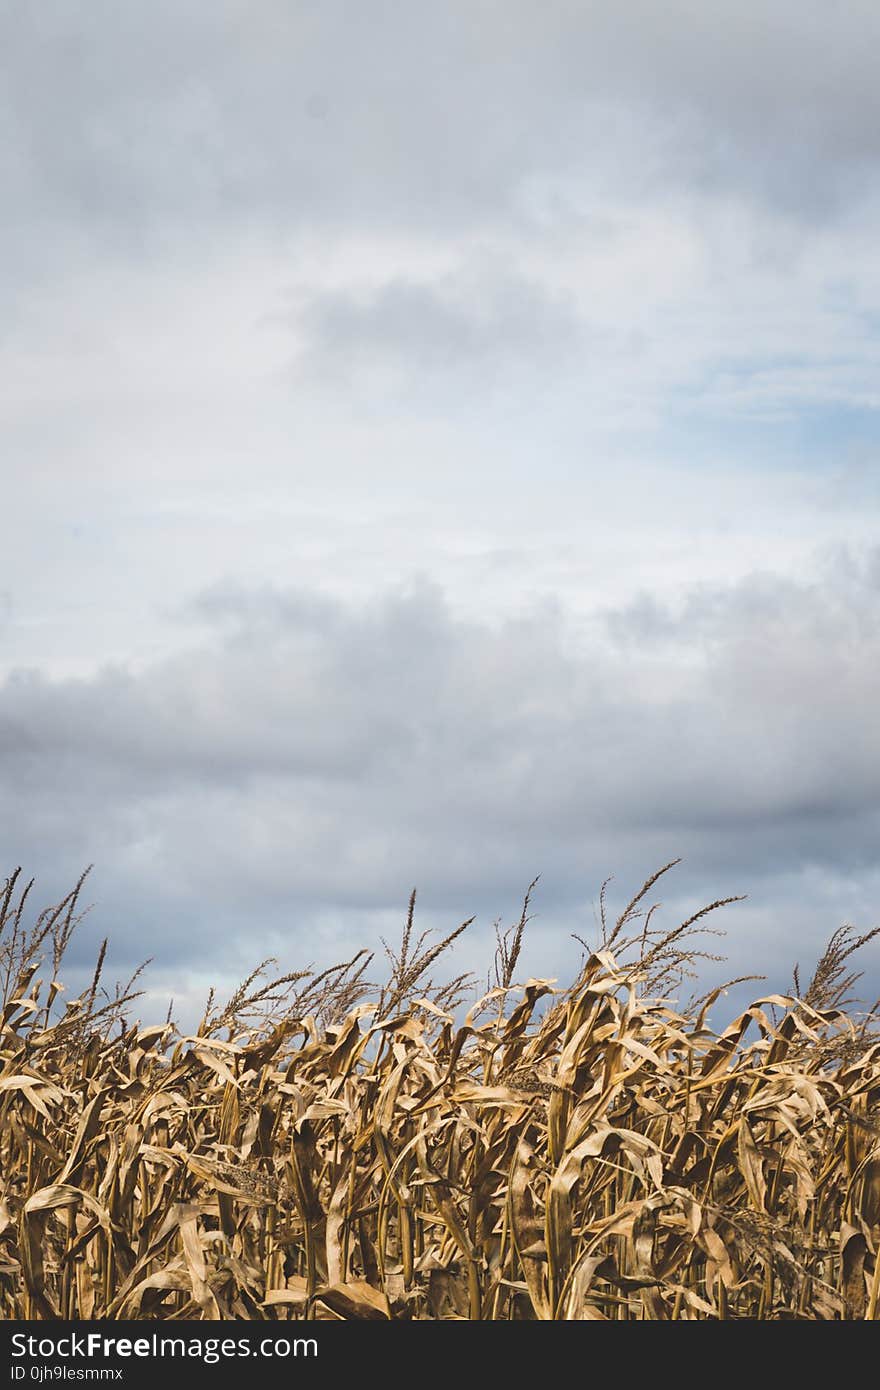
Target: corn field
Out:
[323,1148]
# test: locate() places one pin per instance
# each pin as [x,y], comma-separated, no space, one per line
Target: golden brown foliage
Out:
[588,1153]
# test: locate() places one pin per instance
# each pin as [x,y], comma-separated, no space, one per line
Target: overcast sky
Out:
[439,446]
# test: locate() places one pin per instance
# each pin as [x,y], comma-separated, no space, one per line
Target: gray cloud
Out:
[570,308]
[122,117]
[311,758]
[470,329]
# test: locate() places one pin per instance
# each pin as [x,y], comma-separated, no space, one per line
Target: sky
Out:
[439,447]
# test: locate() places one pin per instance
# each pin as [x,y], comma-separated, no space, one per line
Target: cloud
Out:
[571,310]
[128,122]
[467,328]
[615,221]
[312,758]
